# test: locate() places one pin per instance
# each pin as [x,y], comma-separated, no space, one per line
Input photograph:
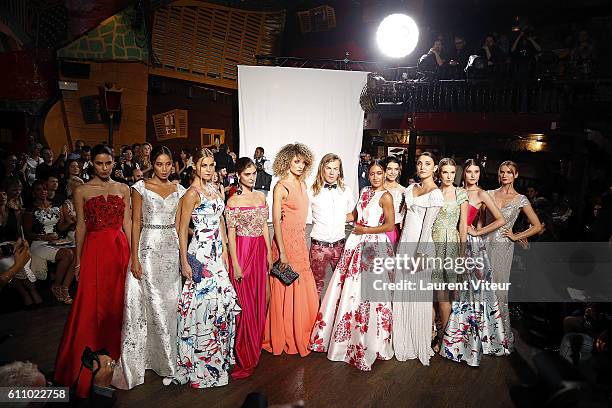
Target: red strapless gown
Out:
[97,313]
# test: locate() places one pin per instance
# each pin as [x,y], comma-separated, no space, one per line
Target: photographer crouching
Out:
[26,374]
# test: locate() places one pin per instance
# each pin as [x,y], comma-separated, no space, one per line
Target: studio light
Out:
[397,35]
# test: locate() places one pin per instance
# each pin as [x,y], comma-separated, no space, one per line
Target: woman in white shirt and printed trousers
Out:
[332,205]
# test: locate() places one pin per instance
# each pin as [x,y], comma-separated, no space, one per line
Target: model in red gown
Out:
[97,313]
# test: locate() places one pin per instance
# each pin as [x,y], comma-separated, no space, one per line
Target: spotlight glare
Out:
[397,35]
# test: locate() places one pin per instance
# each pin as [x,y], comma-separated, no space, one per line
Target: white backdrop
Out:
[317,107]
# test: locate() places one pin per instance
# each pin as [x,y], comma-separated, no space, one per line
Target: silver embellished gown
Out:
[148,337]
[501,250]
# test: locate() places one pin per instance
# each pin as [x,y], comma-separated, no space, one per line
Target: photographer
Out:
[264,172]
[26,374]
[362,169]
[524,53]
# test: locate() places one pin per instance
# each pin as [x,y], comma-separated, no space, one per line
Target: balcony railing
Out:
[483,95]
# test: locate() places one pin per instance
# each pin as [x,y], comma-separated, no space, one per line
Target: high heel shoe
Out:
[58,293]
[67,299]
[435,340]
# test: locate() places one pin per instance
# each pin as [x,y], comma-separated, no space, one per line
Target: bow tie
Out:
[330,186]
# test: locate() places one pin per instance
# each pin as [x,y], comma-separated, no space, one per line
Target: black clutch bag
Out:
[287,275]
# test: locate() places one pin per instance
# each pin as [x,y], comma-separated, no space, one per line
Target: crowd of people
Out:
[177,271]
[516,55]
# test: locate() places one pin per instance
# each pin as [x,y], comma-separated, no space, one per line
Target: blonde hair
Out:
[507,163]
[320,179]
[282,161]
[199,155]
[447,161]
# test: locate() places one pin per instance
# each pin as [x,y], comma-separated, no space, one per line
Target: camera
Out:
[7,249]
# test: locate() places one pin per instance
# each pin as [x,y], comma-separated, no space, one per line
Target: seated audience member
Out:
[10,266]
[491,52]
[46,168]
[138,175]
[584,52]
[430,63]
[459,56]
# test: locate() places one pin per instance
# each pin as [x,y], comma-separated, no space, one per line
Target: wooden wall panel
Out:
[133,78]
[202,113]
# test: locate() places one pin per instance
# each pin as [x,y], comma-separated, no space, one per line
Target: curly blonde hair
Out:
[282,161]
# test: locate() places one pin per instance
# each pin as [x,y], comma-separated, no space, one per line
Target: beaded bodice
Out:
[248,221]
[448,216]
[101,213]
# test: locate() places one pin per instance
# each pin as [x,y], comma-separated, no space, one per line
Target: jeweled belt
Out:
[154,226]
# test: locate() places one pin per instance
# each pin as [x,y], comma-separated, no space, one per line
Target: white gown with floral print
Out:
[207,309]
[348,327]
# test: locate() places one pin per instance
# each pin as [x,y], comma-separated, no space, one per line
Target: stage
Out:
[314,379]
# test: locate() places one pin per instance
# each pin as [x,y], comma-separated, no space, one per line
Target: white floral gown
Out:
[348,327]
[207,310]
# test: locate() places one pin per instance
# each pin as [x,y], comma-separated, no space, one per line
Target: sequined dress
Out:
[148,338]
[501,250]
[97,312]
[445,234]
[208,309]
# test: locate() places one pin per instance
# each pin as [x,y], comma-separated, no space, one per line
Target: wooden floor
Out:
[314,379]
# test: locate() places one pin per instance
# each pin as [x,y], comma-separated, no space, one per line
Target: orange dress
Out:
[293,309]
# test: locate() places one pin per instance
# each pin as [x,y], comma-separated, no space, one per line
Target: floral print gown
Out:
[208,309]
[348,327]
[475,325]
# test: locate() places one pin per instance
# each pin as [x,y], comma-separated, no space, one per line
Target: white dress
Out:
[412,309]
[148,336]
[351,326]
[398,198]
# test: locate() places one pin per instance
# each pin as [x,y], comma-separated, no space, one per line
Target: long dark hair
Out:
[101,149]
[434,175]
[468,163]
[376,162]
[158,151]
[241,165]
[390,159]
[187,151]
